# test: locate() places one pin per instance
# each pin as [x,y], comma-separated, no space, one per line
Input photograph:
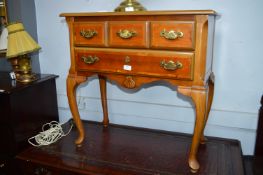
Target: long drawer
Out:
[177,65]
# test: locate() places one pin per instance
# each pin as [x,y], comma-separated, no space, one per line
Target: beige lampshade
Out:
[19,41]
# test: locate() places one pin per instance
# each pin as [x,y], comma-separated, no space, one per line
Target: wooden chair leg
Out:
[103,92]
[199,97]
[72,84]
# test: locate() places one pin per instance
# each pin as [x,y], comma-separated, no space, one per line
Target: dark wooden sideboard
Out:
[24,108]
[123,150]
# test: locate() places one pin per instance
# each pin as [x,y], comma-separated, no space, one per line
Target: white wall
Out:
[237,66]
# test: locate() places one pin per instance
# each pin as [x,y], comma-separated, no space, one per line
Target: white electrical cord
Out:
[49,134]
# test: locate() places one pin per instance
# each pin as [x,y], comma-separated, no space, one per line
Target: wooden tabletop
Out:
[117,150]
[175,12]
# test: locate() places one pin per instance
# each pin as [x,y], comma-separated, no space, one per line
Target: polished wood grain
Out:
[122,150]
[139,40]
[209,104]
[199,97]
[97,40]
[201,57]
[72,83]
[142,13]
[103,93]
[140,59]
[140,62]
[185,42]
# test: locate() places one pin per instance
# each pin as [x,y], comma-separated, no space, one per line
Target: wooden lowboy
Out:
[134,48]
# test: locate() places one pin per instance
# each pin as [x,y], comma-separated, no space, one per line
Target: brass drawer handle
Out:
[126,34]
[90,59]
[171,65]
[171,35]
[88,33]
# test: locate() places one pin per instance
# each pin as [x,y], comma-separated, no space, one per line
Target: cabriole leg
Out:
[199,97]
[103,92]
[72,84]
[209,104]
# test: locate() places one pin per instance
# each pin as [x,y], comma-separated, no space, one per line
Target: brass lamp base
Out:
[26,78]
[129,5]
[22,67]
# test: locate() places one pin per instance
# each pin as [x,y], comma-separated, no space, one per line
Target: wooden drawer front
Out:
[127,34]
[89,33]
[170,35]
[134,62]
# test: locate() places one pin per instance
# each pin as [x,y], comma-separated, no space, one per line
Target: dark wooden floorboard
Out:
[127,150]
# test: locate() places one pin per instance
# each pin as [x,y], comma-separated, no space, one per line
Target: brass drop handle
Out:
[88,33]
[171,35]
[90,59]
[126,34]
[171,65]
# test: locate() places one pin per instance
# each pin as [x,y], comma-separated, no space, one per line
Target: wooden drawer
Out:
[89,34]
[133,62]
[170,35]
[128,34]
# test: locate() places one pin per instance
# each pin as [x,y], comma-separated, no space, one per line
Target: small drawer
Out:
[89,34]
[127,34]
[172,35]
[167,64]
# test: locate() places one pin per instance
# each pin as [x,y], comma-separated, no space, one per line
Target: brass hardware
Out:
[127,59]
[23,70]
[90,59]
[3,10]
[88,33]
[126,34]
[129,5]
[171,65]
[171,35]
[129,82]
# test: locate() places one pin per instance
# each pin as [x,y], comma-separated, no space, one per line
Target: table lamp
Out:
[129,5]
[20,44]
[2,9]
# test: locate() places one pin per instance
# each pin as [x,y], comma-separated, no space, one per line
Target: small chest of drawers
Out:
[134,48]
